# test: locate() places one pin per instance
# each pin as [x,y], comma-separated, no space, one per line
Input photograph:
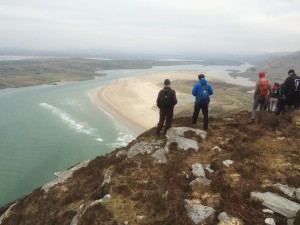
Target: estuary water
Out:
[49,128]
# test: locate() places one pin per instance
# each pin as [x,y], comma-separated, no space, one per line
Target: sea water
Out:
[49,128]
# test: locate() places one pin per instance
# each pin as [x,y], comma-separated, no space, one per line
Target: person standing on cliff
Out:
[201,91]
[166,100]
[262,93]
[292,88]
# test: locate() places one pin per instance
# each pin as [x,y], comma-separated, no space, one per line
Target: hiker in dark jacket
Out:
[261,95]
[196,91]
[291,96]
[166,100]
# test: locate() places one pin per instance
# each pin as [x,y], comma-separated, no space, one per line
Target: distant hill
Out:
[172,181]
[49,70]
[276,67]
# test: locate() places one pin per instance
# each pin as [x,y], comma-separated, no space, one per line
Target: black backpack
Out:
[166,99]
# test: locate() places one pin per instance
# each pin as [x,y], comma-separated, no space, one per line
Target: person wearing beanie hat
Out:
[261,95]
[200,76]
[201,91]
[291,72]
[261,75]
[166,100]
[292,90]
[167,82]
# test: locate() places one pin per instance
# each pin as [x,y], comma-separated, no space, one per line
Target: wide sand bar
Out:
[132,100]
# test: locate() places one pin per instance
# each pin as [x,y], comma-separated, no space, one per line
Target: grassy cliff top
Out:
[154,193]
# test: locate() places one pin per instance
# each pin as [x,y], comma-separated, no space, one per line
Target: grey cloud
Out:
[191,25]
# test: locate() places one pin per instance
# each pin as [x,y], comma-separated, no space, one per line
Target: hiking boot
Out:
[251,121]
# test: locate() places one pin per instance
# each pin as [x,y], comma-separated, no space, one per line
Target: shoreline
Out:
[99,99]
[132,100]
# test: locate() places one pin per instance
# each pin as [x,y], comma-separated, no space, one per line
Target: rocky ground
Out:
[187,177]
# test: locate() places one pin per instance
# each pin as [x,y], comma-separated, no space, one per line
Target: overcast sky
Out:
[151,25]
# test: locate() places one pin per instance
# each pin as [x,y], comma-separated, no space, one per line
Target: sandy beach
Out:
[132,100]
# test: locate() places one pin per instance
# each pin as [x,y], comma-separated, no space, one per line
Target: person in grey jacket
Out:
[262,93]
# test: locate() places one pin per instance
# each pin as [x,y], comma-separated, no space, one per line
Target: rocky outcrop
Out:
[277,203]
[176,134]
[198,213]
[63,176]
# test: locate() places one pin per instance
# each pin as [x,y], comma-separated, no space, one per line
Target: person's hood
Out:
[203,81]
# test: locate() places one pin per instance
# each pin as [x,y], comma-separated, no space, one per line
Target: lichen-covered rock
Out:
[197,170]
[159,156]
[198,213]
[139,219]
[286,189]
[143,147]
[297,193]
[277,203]
[63,176]
[179,131]
[7,212]
[217,149]
[270,221]
[79,213]
[227,162]
[106,180]
[121,153]
[200,180]
[176,134]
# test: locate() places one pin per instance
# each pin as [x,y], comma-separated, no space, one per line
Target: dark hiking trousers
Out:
[204,109]
[164,115]
[280,108]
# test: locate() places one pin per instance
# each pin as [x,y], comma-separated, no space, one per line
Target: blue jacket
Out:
[197,89]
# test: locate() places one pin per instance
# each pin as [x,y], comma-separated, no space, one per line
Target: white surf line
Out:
[80,127]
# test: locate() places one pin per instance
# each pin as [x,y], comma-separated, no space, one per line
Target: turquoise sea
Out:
[49,128]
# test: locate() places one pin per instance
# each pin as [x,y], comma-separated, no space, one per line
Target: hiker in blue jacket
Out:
[201,91]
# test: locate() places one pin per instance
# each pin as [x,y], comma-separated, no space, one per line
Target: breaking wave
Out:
[80,127]
[122,140]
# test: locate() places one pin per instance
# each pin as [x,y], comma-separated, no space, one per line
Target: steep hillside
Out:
[276,67]
[174,179]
